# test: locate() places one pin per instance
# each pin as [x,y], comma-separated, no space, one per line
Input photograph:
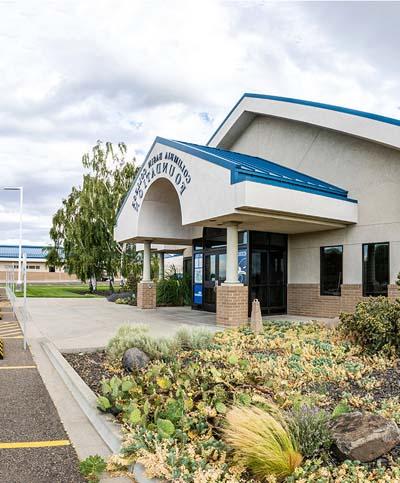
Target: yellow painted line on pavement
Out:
[17,367]
[12,337]
[35,444]
[11,331]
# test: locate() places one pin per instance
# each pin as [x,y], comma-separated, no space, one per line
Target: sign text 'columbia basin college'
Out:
[167,164]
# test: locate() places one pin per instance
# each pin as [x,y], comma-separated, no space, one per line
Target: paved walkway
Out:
[34,446]
[77,324]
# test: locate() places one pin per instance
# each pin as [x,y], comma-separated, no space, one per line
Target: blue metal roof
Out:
[251,168]
[320,105]
[32,252]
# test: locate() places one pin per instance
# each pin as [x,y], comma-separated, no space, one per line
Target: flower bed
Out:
[174,411]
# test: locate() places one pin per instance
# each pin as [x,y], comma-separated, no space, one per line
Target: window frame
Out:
[321,292]
[364,294]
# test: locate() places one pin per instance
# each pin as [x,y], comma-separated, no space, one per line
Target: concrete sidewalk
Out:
[78,324]
[34,445]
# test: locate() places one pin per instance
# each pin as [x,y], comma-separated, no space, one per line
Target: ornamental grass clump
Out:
[161,348]
[262,442]
[129,336]
[309,427]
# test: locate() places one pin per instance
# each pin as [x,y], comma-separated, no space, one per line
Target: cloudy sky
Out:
[74,71]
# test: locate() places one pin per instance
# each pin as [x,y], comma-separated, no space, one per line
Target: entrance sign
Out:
[165,164]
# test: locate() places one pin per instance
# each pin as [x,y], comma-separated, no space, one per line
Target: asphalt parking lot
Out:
[34,446]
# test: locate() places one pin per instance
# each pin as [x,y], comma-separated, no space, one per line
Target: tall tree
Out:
[84,225]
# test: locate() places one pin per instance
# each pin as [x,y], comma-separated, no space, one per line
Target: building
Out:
[37,270]
[292,202]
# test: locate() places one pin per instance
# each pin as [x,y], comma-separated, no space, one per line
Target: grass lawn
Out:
[62,291]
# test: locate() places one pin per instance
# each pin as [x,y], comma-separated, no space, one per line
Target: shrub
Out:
[193,339]
[119,295]
[92,467]
[262,442]
[375,325]
[132,280]
[129,336]
[174,290]
[309,427]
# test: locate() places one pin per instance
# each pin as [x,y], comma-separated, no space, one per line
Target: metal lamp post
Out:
[21,200]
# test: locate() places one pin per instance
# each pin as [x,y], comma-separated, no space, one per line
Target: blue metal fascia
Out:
[239,176]
[320,105]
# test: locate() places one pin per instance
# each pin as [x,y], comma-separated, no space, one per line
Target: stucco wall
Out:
[370,172]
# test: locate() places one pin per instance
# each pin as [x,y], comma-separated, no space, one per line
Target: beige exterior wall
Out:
[38,274]
[369,171]
[32,266]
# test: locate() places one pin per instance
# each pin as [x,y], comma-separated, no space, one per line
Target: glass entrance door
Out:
[214,275]
[268,272]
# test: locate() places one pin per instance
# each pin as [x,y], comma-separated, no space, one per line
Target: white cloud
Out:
[74,72]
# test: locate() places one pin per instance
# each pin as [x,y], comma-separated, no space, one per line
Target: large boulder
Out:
[134,359]
[364,436]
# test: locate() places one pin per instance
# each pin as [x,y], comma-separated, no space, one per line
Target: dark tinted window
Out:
[331,270]
[375,269]
[198,244]
[214,237]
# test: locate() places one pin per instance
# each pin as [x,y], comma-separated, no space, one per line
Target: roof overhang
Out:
[180,189]
[372,127]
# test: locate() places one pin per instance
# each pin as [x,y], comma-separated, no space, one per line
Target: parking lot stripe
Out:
[12,337]
[35,444]
[17,367]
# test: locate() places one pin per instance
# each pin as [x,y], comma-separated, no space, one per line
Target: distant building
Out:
[37,269]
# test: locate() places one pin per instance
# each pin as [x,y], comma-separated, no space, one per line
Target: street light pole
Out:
[21,200]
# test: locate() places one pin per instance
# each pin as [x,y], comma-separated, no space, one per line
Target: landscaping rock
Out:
[364,436]
[134,358]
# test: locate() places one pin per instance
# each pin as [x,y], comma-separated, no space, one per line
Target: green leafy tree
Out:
[84,226]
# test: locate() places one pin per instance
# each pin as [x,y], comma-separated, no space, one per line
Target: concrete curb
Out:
[85,397]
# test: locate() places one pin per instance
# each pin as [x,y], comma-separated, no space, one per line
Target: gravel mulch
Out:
[92,367]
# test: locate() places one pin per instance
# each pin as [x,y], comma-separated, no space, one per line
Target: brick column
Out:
[232,305]
[146,295]
[393,292]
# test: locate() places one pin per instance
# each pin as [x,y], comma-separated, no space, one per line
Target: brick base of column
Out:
[232,305]
[393,292]
[146,295]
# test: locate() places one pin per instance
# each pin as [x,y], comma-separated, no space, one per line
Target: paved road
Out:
[77,324]
[28,418]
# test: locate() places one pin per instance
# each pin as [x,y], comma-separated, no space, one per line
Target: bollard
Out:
[256,323]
